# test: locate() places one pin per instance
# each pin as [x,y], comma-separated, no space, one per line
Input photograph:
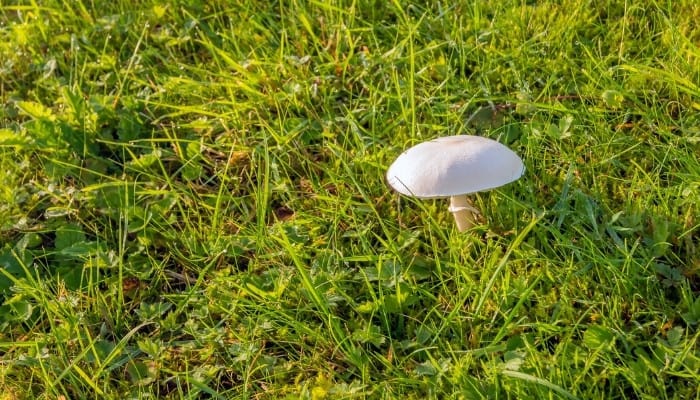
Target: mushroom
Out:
[454,166]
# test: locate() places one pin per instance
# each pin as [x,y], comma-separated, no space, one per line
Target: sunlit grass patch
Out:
[193,204]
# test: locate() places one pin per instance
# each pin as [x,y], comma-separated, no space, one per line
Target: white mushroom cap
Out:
[454,165]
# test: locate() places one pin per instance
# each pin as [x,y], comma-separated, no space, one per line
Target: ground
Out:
[193,205]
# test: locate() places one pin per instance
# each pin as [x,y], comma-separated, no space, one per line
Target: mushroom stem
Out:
[463,212]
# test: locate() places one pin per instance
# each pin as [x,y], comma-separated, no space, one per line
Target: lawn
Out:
[193,200]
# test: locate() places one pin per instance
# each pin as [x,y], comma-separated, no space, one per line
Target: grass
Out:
[192,200]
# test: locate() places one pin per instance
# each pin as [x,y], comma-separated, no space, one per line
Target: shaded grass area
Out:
[192,201]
